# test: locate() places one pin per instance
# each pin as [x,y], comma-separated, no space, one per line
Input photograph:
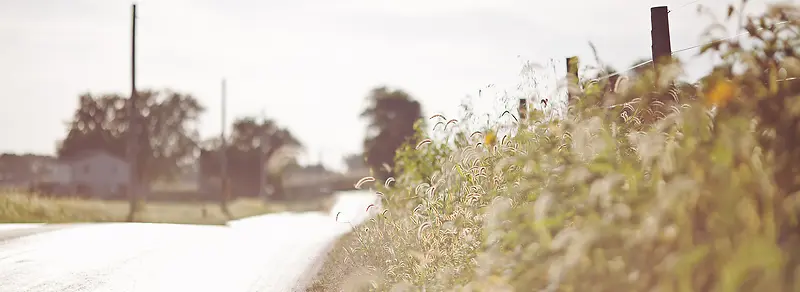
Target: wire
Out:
[714,41]
[684,5]
[623,71]
[682,50]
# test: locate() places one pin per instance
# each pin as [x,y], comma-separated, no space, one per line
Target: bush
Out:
[678,190]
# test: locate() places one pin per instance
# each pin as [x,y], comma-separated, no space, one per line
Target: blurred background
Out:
[290,101]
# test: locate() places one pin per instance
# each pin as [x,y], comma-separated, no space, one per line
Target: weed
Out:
[681,188]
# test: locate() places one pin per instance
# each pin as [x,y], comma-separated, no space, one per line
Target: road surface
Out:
[265,253]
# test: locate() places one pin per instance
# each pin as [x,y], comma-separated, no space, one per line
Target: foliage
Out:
[677,190]
[391,115]
[417,164]
[15,167]
[245,151]
[167,138]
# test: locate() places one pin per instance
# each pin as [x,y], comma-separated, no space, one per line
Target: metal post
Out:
[661,46]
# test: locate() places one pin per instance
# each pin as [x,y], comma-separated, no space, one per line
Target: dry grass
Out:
[663,195]
[22,208]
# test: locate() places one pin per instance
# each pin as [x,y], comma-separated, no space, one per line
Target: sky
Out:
[309,64]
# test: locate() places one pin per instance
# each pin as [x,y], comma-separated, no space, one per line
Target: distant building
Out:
[50,176]
[53,172]
[92,173]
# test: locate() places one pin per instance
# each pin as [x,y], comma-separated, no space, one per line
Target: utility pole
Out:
[262,179]
[133,131]
[659,33]
[224,181]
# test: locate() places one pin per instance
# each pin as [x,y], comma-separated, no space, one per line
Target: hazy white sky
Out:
[306,63]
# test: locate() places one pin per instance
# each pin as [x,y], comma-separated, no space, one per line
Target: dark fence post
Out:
[661,46]
[572,77]
[522,111]
[611,83]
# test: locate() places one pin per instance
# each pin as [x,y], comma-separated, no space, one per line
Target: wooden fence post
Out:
[572,77]
[659,34]
[522,111]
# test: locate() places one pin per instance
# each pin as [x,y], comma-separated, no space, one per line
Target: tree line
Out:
[169,140]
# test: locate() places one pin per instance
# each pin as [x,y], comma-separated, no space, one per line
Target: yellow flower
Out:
[721,92]
[490,138]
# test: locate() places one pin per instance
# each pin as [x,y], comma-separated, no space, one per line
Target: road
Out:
[266,253]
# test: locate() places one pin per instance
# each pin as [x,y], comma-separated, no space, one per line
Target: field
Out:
[656,186]
[23,208]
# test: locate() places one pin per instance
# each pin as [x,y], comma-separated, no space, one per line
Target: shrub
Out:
[678,190]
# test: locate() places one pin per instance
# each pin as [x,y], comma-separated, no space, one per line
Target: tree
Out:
[17,168]
[245,160]
[391,115]
[168,139]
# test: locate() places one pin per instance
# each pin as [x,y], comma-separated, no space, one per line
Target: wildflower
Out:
[490,138]
[721,92]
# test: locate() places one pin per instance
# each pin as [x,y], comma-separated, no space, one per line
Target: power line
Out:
[682,50]
[684,5]
[623,71]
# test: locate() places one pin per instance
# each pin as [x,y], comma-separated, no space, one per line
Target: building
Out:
[93,173]
[50,170]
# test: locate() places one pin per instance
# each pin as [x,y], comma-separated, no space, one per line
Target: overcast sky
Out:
[306,63]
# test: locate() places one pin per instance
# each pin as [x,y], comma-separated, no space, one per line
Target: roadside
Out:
[21,208]
[321,232]
[281,251]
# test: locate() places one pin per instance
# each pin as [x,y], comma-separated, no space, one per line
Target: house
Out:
[49,176]
[53,172]
[93,173]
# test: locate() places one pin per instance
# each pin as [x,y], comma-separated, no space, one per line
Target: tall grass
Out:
[27,208]
[662,194]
